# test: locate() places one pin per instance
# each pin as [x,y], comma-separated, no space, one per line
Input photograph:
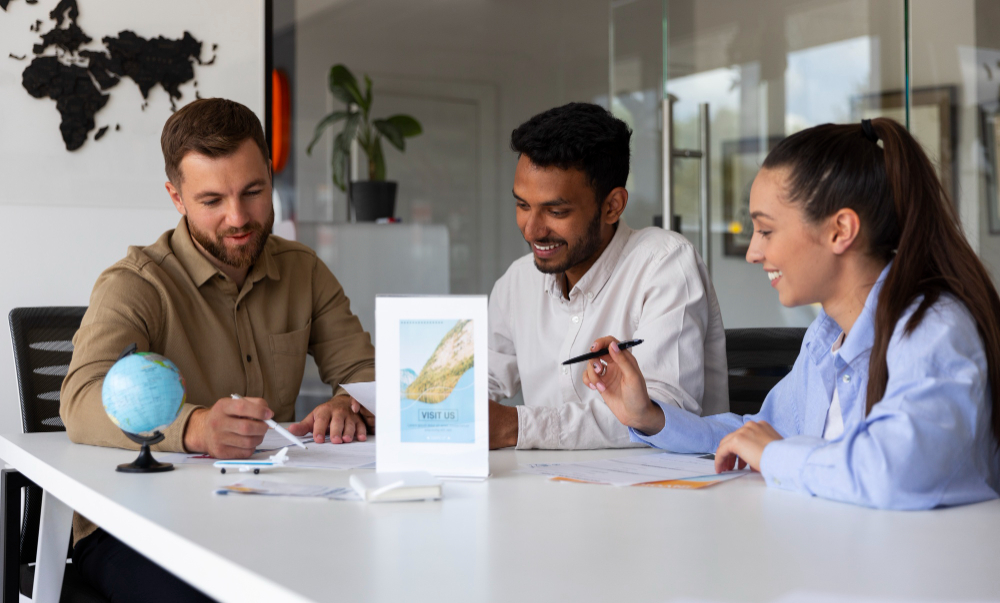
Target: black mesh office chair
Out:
[42,339]
[758,359]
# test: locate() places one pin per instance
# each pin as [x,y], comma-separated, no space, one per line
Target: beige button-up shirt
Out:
[167,298]
[648,284]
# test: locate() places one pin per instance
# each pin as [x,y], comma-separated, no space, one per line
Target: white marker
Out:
[270,423]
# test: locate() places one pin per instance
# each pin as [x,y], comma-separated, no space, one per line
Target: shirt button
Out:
[248,357]
[590,296]
[576,319]
[565,370]
[847,378]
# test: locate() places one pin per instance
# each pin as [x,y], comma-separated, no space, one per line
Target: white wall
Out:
[53,255]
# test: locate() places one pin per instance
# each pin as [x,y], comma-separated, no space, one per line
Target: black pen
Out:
[624,345]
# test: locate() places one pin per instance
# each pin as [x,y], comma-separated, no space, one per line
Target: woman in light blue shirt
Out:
[893,401]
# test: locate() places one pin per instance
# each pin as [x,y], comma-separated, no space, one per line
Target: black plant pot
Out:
[373,199]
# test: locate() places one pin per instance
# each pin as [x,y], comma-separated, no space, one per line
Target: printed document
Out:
[664,469]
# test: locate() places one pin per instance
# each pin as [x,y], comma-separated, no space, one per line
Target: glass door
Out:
[736,77]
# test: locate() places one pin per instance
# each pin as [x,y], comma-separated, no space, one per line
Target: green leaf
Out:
[350,131]
[376,166]
[338,162]
[368,90]
[406,125]
[391,133]
[327,121]
[344,86]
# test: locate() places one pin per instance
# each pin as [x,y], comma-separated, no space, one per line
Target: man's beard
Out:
[243,256]
[582,251]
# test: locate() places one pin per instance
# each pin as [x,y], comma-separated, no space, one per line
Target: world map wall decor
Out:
[86,86]
[78,79]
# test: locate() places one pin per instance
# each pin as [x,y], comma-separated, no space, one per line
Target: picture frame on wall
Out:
[741,160]
[933,122]
[989,118]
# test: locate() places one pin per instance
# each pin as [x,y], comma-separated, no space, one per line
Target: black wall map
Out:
[78,79]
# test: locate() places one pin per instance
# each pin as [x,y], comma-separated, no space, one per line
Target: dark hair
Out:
[214,127]
[904,212]
[578,136]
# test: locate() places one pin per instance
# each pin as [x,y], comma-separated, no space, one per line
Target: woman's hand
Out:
[745,446]
[620,383]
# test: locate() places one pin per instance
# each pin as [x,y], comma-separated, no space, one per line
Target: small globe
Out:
[143,393]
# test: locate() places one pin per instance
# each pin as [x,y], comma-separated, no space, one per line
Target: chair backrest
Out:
[42,339]
[758,359]
[43,346]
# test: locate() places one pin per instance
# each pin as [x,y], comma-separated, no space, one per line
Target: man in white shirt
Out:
[589,275]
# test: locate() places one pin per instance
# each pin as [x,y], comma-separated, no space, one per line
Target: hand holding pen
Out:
[623,388]
[281,430]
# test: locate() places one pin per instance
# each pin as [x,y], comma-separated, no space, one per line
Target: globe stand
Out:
[145,463]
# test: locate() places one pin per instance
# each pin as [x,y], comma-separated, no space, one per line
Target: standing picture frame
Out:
[431,367]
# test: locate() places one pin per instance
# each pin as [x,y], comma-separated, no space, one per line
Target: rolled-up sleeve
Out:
[124,309]
[504,381]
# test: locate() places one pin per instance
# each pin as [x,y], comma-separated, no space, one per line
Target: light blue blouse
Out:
[928,443]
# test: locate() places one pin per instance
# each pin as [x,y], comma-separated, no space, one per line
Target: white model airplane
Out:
[247,465]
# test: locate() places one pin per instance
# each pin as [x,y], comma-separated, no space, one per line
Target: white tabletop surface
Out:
[519,537]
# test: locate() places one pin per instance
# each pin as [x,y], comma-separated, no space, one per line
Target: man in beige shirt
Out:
[589,275]
[236,310]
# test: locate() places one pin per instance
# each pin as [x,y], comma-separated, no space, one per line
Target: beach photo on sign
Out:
[437,384]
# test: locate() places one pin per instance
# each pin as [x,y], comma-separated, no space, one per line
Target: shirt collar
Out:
[599,274]
[201,270]
[862,335]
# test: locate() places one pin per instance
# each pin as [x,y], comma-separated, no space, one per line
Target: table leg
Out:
[53,540]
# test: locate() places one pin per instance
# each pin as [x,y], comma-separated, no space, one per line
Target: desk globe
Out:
[143,394]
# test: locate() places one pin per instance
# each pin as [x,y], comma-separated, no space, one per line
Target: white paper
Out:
[354,455]
[363,392]
[632,470]
[332,456]
[272,488]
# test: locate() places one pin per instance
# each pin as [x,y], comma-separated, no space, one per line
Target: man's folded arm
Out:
[571,426]
[124,309]
[504,379]
[342,349]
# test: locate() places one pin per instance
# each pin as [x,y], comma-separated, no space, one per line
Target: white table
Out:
[514,537]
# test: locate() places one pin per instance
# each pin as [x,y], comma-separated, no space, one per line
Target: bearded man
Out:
[234,307]
[589,275]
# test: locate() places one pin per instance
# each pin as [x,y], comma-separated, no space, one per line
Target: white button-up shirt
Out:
[648,284]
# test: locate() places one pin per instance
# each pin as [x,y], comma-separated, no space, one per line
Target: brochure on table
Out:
[431,360]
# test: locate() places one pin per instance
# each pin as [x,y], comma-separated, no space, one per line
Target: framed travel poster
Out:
[431,385]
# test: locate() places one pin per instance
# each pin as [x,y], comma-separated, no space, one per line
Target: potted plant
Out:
[376,197]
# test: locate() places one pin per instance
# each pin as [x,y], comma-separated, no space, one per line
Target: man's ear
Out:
[175,196]
[845,228]
[614,204]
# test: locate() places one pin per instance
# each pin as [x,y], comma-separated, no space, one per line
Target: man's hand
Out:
[745,446]
[503,425]
[342,416]
[231,429]
[620,383]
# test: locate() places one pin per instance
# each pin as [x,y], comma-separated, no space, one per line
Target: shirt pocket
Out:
[288,353]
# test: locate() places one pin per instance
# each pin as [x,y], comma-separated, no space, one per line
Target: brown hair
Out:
[905,213]
[214,127]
